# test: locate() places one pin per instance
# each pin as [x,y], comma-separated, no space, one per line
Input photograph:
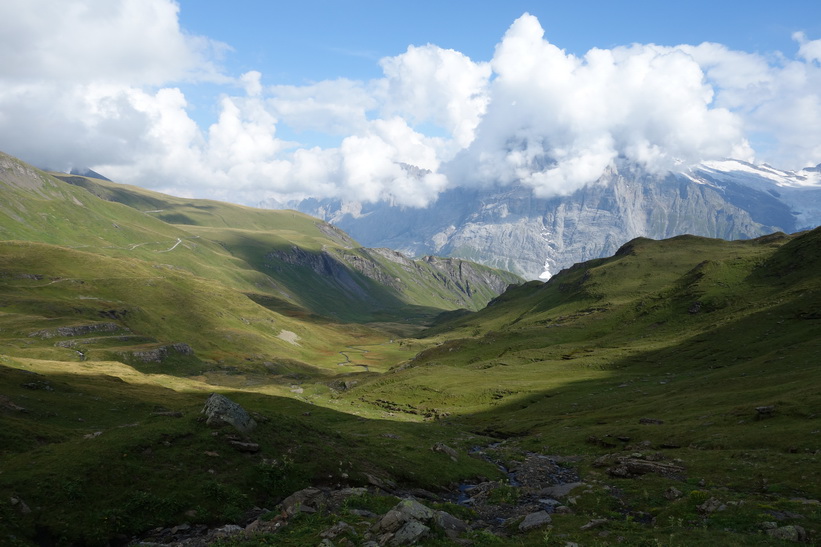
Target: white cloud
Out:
[95,83]
[556,121]
[131,42]
[441,86]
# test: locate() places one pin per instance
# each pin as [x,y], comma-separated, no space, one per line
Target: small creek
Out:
[347,362]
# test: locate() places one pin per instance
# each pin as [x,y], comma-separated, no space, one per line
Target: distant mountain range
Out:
[508,227]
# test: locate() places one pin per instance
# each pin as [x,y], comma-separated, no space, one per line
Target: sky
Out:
[261,102]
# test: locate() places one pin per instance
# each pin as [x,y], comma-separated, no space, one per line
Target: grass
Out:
[693,334]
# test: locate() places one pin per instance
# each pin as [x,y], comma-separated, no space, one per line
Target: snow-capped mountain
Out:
[507,227]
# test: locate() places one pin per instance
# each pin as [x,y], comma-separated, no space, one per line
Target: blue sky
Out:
[258,101]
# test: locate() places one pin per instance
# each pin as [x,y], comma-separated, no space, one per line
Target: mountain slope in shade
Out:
[510,228]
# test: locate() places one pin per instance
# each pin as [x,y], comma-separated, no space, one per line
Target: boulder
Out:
[414,510]
[449,523]
[219,410]
[442,448]
[788,533]
[535,520]
[303,501]
[410,533]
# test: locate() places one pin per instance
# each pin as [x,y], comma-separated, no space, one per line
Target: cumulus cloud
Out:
[442,86]
[557,121]
[98,83]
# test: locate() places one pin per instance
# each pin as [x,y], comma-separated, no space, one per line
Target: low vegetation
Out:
[663,396]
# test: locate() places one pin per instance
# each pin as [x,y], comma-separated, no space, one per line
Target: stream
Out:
[347,361]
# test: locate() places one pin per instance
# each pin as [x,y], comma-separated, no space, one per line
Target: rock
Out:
[410,533]
[445,449]
[764,412]
[20,505]
[379,482]
[244,447]
[560,490]
[158,355]
[672,493]
[8,404]
[363,513]
[788,533]
[535,520]
[414,510]
[303,501]
[390,522]
[449,523]
[594,524]
[338,529]
[650,421]
[711,506]
[629,466]
[219,409]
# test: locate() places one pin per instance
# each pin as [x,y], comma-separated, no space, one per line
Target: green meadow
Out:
[121,310]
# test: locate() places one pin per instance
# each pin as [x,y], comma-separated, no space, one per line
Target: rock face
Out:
[219,410]
[510,228]
[358,272]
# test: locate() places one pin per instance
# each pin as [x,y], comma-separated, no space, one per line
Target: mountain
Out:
[509,228]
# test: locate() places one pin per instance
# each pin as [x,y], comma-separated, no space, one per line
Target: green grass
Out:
[693,333]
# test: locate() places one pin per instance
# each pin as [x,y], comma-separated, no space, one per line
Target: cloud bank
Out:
[98,83]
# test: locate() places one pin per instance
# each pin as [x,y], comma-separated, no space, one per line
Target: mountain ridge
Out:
[510,228]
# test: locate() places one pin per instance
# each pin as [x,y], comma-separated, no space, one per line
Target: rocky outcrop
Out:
[158,355]
[78,330]
[360,272]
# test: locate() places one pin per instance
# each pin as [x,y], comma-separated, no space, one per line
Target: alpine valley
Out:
[188,372]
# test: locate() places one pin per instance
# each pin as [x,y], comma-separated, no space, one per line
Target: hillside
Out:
[666,394]
[291,257]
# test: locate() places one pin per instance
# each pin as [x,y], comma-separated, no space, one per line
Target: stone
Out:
[8,404]
[650,421]
[20,505]
[391,521]
[219,410]
[338,529]
[244,447]
[414,510]
[595,523]
[302,501]
[449,523]
[410,533]
[712,505]
[788,533]
[535,520]
[672,493]
[445,449]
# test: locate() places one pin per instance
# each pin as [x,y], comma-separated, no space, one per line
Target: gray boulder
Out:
[410,533]
[220,410]
[535,520]
[788,533]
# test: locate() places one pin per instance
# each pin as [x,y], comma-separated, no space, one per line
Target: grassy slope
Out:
[250,235]
[695,332]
